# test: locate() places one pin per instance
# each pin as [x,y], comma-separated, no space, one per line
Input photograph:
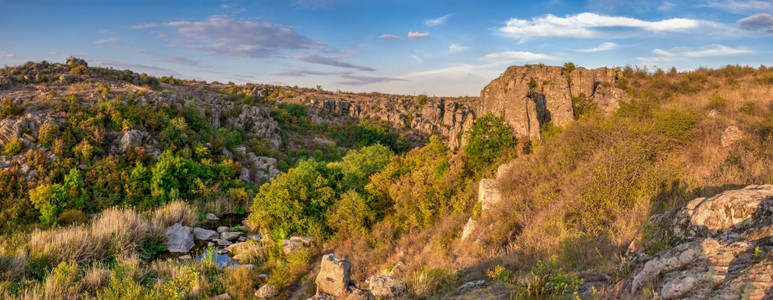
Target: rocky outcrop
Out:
[730,135]
[724,249]
[333,281]
[532,95]
[488,196]
[179,238]
[259,169]
[266,291]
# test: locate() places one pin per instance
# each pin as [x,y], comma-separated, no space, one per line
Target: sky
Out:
[438,48]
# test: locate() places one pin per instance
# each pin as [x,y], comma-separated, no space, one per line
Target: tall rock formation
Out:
[532,95]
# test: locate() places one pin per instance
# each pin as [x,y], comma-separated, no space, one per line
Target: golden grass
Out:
[175,212]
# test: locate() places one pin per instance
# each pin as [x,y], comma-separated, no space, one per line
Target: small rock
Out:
[730,136]
[242,239]
[470,284]
[185,257]
[230,236]
[210,244]
[290,246]
[225,296]
[262,276]
[221,242]
[266,291]
[221,229]
[386,286]
[212,217]
[254,237]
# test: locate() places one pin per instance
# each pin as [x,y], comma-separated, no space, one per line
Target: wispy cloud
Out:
[331,61]
[222,35]
[666,6]
[457,48]
[681,53]
[181,60]
[347,77]
[715,50]
[438,21]
[388,36]
[416,34]
[762,22]
[106,41]
[8,55]
[588,25]
[417,59]
[603,47]
[740,6]
[517,56]
[144,26]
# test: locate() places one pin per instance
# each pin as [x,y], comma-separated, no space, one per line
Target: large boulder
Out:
[230,236]
[179,238]
[130,139]
[266,291]
[724,249]
[333,278]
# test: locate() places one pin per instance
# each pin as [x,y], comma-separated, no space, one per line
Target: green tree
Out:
[355,168]
[350,215]
[296,201]
[487,140]
[50,201]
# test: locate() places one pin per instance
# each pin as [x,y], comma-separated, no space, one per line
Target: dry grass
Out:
[240,282]
[115,232]
[175,212]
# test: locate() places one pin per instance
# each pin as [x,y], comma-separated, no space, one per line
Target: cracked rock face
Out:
[532,95]
[724,249]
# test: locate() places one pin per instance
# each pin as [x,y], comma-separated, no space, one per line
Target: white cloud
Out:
[603,47]
[587,25]
[741,6]
[458,69]
[438,21]
[8,55]
[517,56]
[106,41]
[417,59]
[457,48]
[416,34]
[662,52]
[331,61]
[715,50]
[388,36]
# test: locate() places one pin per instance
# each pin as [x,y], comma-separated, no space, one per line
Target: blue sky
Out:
[443,48]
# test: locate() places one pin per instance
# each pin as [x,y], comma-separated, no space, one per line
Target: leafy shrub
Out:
[487,140]
[47,133]
[49,200]
[370,134]
[62,283]
[356,167]
[9,108]
[717,102]
[72,216]
[13,147]
[676,124]
[351,215]
[295,109]
[422,99]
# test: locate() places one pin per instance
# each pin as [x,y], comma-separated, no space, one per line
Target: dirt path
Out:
[304,286]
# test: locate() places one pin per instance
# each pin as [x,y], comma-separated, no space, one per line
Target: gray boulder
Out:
[179,238]
[204,234]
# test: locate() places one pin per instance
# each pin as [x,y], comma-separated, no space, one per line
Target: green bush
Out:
[351,215]
[72,216]
[13,147]
[47,133]
[295,109]
[487,140]
[9,108]
[676,124]
[717,102]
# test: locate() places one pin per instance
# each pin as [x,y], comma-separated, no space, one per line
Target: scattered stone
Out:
[730,136]
[470,285]
[262,276]
[225,296]
[386,286]
[204,234]
[242,239]
[290,246]
[221,229]
[212,217]
[185,257]
[210,244]
[267,291]
[305,240]
[179,238]
[254,237]
[222,242]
